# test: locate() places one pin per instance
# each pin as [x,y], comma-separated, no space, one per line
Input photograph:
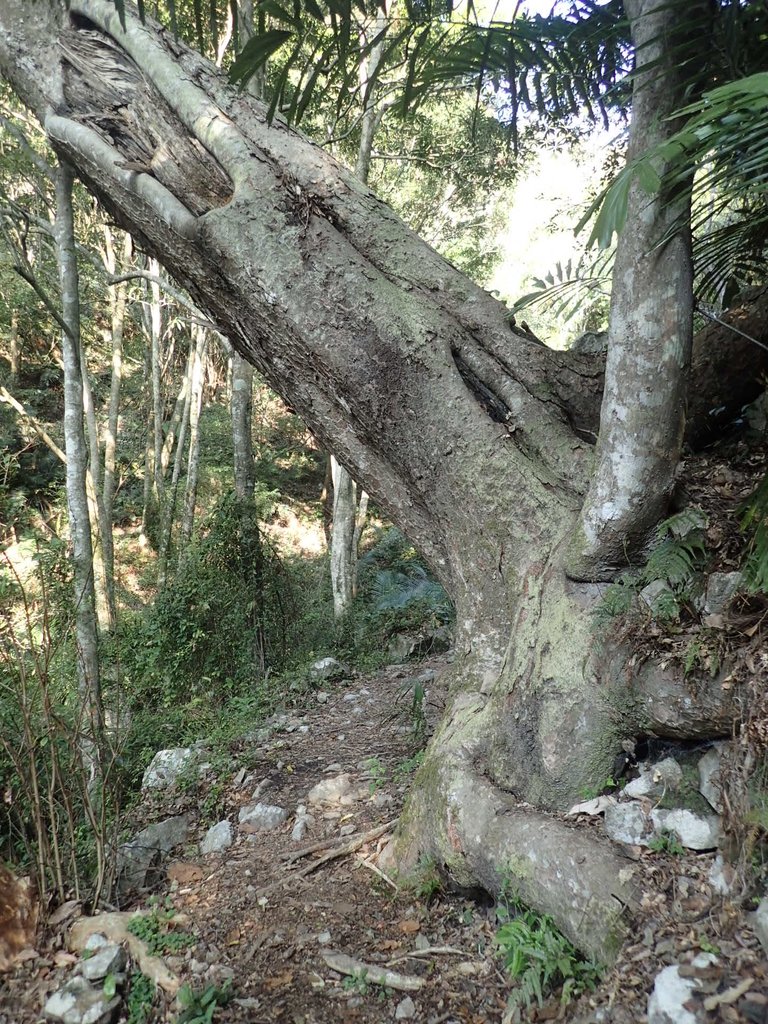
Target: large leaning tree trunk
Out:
[470,436]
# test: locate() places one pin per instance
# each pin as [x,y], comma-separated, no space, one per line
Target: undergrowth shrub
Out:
[221,624]
[539,957]
[676,559]
[396,593]
[60,808]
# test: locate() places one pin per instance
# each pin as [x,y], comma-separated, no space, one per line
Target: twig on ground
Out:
[377,871]
[325,844]
[339,851]
[344,964]
[429,951]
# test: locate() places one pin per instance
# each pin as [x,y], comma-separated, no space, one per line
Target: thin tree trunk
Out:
[118,300]
[15,349]
[242,420]
[193,463]
[86,628]
[650,331]
[172,492]
[155,322]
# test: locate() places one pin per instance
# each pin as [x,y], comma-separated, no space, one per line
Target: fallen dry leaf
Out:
[183,873]
[409,925]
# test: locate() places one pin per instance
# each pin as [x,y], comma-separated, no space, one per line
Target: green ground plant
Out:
[140,999]
[201,1007]
[539,957]
[156,931]
[667,842]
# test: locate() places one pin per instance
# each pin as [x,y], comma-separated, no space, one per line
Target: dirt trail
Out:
[272,921]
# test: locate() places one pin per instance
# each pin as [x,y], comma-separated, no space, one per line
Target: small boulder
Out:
[671,996]
[709,777]
[655,779]
[327,669]
[147,849]
[695,831]
[108,959]
[260,817]
[402,647]
[217,838]
[406,1009]
[653,594]
[330,791]
[760,923]
[78,1002]
[722,587]
[627,823]
[165,767]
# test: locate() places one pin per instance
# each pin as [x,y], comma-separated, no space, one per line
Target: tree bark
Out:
[241,406]
[200,336]
[86,629]
[469,435]
[649,338]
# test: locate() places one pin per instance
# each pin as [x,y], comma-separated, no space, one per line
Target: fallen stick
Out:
[377,871]
[325,844]
[429,951]
[339,851]
[344,964]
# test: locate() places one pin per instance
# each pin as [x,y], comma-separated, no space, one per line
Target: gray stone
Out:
[709,777]
[652,594]
[402,647]
[217,838]
[166,766]
[327,669]
[695,831]
[78,1002]
[147,849]
[95,941]
[722,587]
[721,876]
[666,1004]
[626,823]
[261,817]
[655,779]
[406,1009]
[760,923]
[108,959]
[330,791]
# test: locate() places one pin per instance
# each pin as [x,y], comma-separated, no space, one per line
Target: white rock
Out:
[327,668]
[721,876]
[655,779]
[164,768]
[593,807]
[108,959]
[299,830]
[324,938]
[651,594]
[217,838]
[96,941]
[666,1004]
[330,791]
[79,1003]
[760,922]
[261,817]
[406,1009]
[709,777]
[626,823]
[695,831]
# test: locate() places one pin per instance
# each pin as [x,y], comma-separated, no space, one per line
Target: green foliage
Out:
[408,766]
[754,522]
[357,982]
[667,842]
[378,772]
[220,626]
[676,558]
[201,1007]
[155,929]
[140,999]
[539,957]
[427,882]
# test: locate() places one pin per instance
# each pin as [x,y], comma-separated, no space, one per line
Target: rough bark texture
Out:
[86,630]
[649,338]
[469,435]
[241,407]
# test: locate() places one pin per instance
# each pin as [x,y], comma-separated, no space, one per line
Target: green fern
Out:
[754,520]
[539,957]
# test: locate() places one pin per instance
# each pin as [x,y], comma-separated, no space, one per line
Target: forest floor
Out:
[271,920]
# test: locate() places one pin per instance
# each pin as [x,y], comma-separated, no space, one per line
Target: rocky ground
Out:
[298,919]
